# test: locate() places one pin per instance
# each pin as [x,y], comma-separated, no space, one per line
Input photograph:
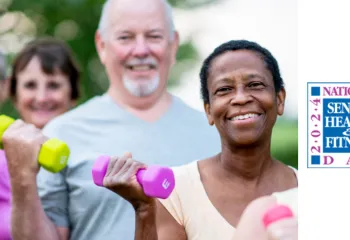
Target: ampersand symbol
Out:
[347,132]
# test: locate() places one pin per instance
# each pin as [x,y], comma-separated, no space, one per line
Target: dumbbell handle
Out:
[100,168]
[53,154]
[139,176]
[156,181]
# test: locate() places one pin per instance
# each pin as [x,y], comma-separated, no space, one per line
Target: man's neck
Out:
[149,109]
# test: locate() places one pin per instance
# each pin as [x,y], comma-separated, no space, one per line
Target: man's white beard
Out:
[141,88]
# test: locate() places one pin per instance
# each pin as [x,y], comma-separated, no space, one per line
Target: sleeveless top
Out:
[201,220]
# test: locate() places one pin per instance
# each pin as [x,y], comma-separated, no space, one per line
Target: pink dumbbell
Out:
[276,213]
[156,181]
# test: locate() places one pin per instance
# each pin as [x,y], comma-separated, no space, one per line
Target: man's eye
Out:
[123,38]
[156,36]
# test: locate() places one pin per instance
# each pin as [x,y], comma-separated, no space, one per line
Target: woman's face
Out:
[243,103]
[41,97]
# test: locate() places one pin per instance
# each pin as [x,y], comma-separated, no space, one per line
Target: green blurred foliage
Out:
[284,145]
[76,21]
[188,4]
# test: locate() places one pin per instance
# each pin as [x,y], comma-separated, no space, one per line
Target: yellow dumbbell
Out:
[54,153]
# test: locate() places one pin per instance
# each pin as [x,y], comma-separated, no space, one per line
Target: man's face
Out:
[137,48]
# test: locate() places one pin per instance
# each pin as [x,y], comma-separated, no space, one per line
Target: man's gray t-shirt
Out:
[71,199]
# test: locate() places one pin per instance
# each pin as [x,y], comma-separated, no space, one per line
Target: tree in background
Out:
[75,21]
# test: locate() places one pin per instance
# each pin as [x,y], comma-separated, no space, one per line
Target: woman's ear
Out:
[281,97]
[208,113]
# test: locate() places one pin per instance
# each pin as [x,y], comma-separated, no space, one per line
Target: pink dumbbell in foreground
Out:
[276,213]
[156,181]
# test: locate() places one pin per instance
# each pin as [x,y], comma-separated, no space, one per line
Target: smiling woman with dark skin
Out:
[243,94]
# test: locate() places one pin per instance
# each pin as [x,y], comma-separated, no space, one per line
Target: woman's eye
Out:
[256,84]
[30,85]
[223,90]
[54,85]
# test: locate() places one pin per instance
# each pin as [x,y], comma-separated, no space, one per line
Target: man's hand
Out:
[22,143]
[121,179]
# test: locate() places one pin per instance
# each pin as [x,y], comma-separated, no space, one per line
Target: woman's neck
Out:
[248,164]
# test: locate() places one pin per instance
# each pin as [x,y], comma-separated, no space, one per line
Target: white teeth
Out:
[141,67]
[246,116]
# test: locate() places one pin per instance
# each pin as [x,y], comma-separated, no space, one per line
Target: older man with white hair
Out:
[137,43]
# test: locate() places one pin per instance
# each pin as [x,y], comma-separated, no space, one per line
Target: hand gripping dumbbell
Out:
[53,155]
[156,181]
